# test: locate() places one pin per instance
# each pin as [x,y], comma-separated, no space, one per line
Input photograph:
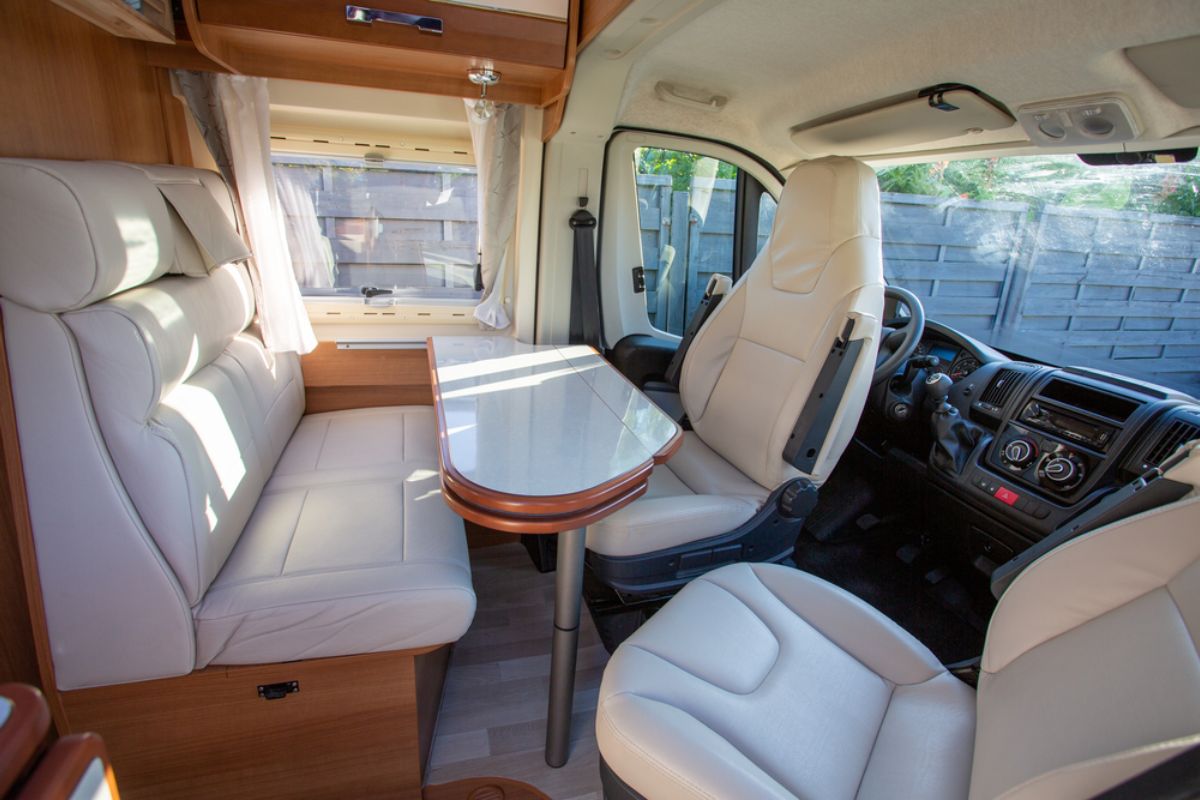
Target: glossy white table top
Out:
[541,420]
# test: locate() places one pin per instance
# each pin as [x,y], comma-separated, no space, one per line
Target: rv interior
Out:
[588,399]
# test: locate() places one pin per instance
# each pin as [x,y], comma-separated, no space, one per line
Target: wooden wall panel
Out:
[71,90]
[338,379]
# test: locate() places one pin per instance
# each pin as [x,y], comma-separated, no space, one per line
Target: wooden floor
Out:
[493,718]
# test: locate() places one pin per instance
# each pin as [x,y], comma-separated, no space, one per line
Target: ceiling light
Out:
[483,77]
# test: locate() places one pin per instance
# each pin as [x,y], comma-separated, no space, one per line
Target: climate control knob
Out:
[1062,471]
[1019,453]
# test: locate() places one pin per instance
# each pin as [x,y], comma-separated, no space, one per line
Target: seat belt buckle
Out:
[718,285]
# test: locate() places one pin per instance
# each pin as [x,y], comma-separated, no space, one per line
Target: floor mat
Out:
[914,591]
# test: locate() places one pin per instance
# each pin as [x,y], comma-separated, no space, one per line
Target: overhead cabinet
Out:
[391,44]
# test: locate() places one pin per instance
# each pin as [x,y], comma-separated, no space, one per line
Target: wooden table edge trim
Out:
[498,504]
[59,774]
[519,522]
[23,733]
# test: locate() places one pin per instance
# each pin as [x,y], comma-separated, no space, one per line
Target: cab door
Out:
[674,212]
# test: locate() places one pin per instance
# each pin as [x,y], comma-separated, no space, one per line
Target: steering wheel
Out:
[900,335]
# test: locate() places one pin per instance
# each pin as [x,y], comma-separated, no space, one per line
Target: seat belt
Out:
[718,287]
[816,418]
[1149,490]
[585,294]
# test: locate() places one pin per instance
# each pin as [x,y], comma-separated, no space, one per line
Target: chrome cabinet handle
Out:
[366,16]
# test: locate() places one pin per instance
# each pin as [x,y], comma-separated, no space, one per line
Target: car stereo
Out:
[1069,427]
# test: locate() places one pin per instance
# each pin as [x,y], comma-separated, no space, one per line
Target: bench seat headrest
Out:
[73,233]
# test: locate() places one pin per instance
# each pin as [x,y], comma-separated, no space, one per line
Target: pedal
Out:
[909,553]
[866,522]
[935,576]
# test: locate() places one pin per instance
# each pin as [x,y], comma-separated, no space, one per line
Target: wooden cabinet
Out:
[150,20]
[314,41]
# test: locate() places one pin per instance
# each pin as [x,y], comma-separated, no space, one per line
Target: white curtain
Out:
[233,113]
[497,144]
[281,311]
[310,248]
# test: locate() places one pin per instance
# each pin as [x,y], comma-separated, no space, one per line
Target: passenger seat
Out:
[761,681]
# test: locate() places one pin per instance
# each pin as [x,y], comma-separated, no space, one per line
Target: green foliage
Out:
[1054,180]
[682,167]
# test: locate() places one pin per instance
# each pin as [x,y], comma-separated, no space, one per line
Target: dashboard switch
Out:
[1006,496]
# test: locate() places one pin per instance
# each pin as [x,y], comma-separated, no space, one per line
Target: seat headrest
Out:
[73,233]
[202,215]
[825,203]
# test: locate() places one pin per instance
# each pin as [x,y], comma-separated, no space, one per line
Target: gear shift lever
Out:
[915,365]
[937,388]
[954,438]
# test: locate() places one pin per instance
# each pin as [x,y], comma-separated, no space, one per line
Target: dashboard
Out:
[956,361]
[1048,441]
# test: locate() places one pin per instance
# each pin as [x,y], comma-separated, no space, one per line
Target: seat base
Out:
[767,537]
[359,726]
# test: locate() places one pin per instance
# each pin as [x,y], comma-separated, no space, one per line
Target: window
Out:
[687,209]
[1052,259]
[404,229]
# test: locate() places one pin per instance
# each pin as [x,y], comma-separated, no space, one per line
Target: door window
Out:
[687,211]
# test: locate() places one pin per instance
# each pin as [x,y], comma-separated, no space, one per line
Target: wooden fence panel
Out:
[414,227]
[1112,290]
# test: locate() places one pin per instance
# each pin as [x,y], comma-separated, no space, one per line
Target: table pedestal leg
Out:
[568,596]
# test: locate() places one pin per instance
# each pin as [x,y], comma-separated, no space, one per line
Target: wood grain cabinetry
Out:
[151,20]
[358,726]
[336,379]
[314,41]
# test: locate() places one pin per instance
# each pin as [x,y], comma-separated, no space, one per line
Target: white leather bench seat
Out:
[762,681]
[184,510]
[351,549]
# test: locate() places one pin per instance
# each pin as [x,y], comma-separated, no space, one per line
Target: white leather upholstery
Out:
[178,430]
[82,517]
[751,367]
[351,549]
[762,681]
[1091,657]
[152,420]
[72,233]
[695,495]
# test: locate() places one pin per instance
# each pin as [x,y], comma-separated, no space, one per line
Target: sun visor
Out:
[933,115]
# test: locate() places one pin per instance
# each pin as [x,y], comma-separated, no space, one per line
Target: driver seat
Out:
[728,494]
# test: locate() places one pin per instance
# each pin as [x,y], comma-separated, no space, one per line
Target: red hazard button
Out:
[1007,496]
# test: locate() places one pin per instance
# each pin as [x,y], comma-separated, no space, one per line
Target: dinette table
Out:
[544,439]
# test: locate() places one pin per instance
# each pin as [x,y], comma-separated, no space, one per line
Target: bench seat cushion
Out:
[351,549]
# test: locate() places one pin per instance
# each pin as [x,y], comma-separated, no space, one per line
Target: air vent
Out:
[1001,388]
[1177,432]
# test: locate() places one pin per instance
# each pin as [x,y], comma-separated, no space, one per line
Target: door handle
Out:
[366,16]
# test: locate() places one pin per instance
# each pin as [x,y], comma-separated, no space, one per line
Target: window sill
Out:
[408,310]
